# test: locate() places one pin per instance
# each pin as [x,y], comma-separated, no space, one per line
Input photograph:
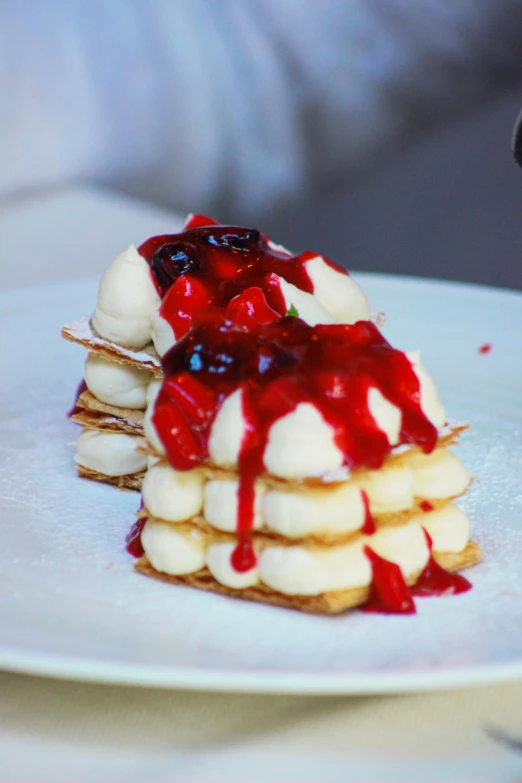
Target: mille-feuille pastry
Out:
[303,466]
[146,301]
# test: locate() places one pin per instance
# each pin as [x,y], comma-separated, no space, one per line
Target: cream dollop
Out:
[171,552]
[429,398]
[220,507]
[339,293]
[226,434]
[218,560]
[163,335]
[389,489]
[438,475]
[127,298]
[388,417]
[448,528]
[110,453]
[301,444]
[121,385]
[334,510]
[172,494]
[296,570]
[308,306]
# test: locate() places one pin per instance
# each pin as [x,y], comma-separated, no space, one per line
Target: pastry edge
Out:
[329,603]
[131,482]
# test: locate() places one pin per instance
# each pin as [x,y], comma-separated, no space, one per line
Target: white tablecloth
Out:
[58,732]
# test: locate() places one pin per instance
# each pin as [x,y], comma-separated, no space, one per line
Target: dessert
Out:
[286,452]
[147,300]
[303,466]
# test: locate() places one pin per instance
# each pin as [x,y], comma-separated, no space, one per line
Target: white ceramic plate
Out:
[71,605]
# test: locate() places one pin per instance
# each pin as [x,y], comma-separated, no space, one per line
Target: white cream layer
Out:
[127,298]
[121,385]
[110,453]
[299,570]
[128,303]
[301,444]
[175,496]
[339,293]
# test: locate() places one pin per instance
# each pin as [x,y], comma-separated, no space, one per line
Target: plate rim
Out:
[92,670]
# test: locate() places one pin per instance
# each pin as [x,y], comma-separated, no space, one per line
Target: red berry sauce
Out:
[208,264]
[133,539]
[368,527]
[243,557]
[278,366]
[486,348]
[389,593]
[426,506]
[435,580]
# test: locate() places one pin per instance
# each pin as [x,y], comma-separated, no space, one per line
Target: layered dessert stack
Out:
[109,405]
[301,466]
[146,301]
[292,456]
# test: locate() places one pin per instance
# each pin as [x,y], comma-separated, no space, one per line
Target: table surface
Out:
[54,731]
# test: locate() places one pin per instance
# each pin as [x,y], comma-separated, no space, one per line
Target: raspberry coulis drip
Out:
[426,506]
[211,265]
[435,580]
[133,543]
[278,366]
[368,527]
[243,557]
[389,593]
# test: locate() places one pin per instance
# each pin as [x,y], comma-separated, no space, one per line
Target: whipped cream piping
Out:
[302,570]
[110,453]
[117,384]
[302,444]
[127,298]
[338,293]
[175,496]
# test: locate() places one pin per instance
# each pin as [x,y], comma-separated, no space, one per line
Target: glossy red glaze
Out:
[210,264]
[426,506]
[435,580]
[278,366]
[368,527]
[133,539]
[253,303]
[243,557]
[389,593]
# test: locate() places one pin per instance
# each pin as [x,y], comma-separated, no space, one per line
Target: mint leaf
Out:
[293,311]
